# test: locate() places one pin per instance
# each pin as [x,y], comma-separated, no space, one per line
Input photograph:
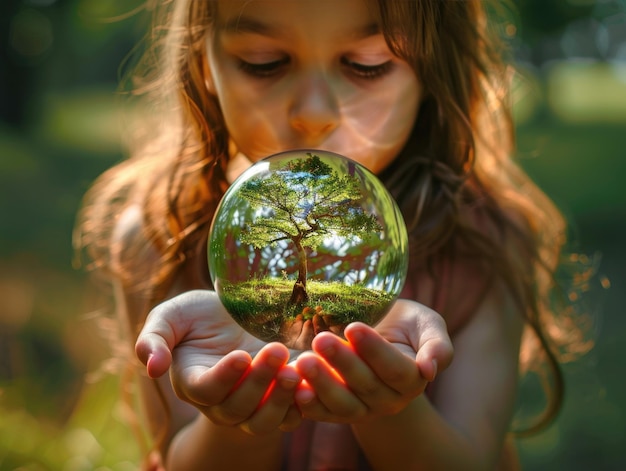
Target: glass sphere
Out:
[307,241]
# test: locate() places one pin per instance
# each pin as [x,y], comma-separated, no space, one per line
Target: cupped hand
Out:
[375,371]
[211,364]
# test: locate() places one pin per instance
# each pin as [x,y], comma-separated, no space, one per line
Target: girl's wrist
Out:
[404,417]
[206,445]
[236,433]
[390,442]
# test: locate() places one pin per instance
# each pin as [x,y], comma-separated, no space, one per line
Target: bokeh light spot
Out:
[30,33]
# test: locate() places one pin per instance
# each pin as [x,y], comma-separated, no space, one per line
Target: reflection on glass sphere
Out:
[304,242]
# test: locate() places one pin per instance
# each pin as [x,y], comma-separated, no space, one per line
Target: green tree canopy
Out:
[305,202]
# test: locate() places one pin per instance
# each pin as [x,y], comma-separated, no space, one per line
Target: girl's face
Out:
[293,74]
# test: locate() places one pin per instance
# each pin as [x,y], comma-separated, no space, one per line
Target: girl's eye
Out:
[263,69]
[369,72]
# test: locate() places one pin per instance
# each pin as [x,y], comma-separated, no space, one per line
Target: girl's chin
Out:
[357,153]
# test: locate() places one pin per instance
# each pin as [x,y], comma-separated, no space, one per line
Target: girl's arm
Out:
[165,413]
[187,438]
[243,401]
[463,423]
[202,445]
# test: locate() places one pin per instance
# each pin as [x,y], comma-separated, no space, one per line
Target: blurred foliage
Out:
[60,63]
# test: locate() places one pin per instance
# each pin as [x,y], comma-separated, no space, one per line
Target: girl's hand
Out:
[209,357]
[377,371]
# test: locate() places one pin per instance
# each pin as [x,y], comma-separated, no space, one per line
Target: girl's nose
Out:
[314,112]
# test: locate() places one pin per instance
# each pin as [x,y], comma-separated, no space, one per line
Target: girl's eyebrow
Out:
[242,24]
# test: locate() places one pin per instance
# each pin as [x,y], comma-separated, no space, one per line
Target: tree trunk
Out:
[299,294]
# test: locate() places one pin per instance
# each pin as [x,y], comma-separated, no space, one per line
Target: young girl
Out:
[416,91]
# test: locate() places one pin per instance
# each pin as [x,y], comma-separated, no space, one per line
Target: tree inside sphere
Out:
[307,241]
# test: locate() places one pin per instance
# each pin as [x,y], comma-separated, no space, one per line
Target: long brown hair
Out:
[458,162]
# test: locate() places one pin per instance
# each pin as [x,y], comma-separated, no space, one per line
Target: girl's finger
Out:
[160,334]
[209,386]
[154,352]
[358,376]
[329,389]
[275,406]
[430,339]
[248,394]
[434,355]
[292,419]
[154,346]
[390,365]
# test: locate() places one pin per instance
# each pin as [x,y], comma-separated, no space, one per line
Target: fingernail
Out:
[325,346]
[148,363]
[434,369]
[288,383]
[304,396]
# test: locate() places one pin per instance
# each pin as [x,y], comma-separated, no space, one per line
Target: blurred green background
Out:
[59,128]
